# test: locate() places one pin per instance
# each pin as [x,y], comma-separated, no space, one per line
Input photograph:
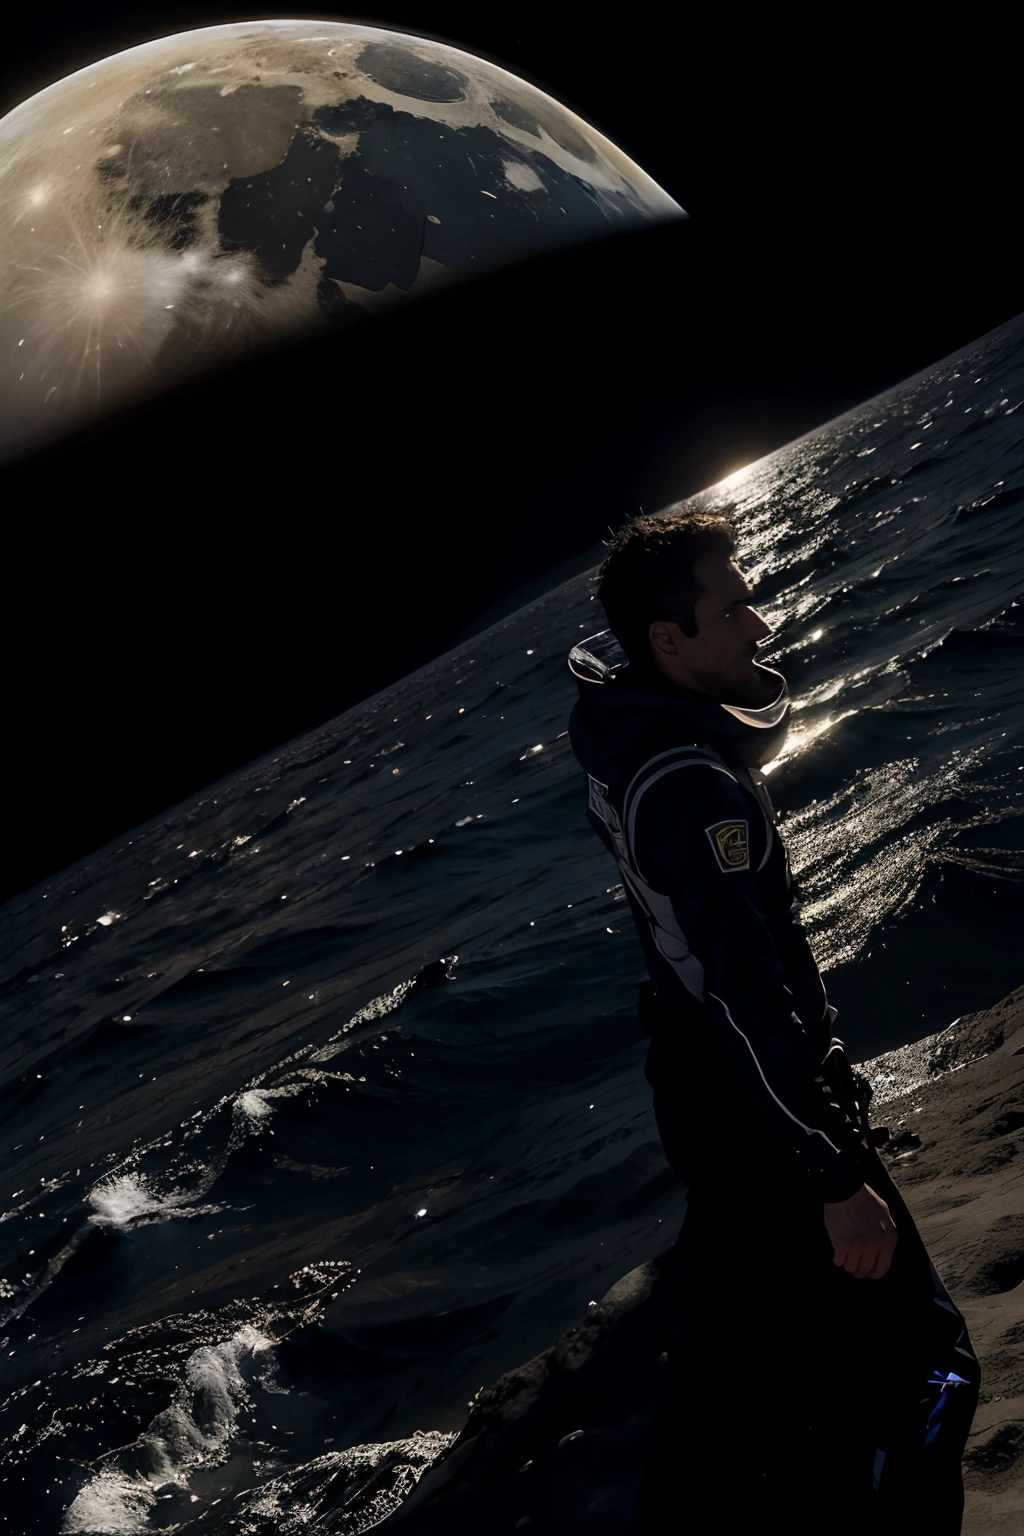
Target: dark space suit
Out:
[819,1398]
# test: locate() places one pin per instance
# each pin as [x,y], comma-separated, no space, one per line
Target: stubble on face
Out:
[728,668]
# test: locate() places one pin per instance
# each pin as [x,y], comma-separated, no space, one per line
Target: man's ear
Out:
[664,636]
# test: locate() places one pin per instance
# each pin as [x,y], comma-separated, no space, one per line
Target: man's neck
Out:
[761,690]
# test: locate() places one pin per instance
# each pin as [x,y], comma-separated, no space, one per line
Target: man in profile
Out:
[819,1373]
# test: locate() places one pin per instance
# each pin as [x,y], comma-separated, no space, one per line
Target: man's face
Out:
[719,660]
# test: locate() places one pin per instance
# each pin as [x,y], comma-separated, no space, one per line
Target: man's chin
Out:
[751,685]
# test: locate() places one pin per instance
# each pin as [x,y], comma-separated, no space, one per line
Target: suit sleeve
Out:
[690,846]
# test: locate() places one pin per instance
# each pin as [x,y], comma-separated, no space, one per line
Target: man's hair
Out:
[647,574]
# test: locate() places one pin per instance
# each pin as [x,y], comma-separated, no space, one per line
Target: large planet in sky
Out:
[198,195]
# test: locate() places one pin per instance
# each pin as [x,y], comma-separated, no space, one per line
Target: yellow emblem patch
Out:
[730,841]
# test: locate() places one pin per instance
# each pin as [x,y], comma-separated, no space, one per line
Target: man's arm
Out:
[685,845]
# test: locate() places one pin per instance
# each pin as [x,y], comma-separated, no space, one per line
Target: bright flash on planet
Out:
[96,303]
[102,286]
[736,476]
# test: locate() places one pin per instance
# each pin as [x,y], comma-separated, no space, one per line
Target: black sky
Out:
[853,194]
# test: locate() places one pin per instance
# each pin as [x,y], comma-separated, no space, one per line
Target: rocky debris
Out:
[558,1444]
[998,1451]
[969,1038]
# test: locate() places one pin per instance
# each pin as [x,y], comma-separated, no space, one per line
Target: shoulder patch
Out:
[731,843]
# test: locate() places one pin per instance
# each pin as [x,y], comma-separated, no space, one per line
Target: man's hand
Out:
[862,1233]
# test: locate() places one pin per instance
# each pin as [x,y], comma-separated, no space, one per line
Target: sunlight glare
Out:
[736,476]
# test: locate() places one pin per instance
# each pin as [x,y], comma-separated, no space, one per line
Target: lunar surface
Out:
[207,192]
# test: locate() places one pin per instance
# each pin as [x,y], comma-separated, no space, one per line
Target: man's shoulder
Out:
[689,773]
[681,793]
